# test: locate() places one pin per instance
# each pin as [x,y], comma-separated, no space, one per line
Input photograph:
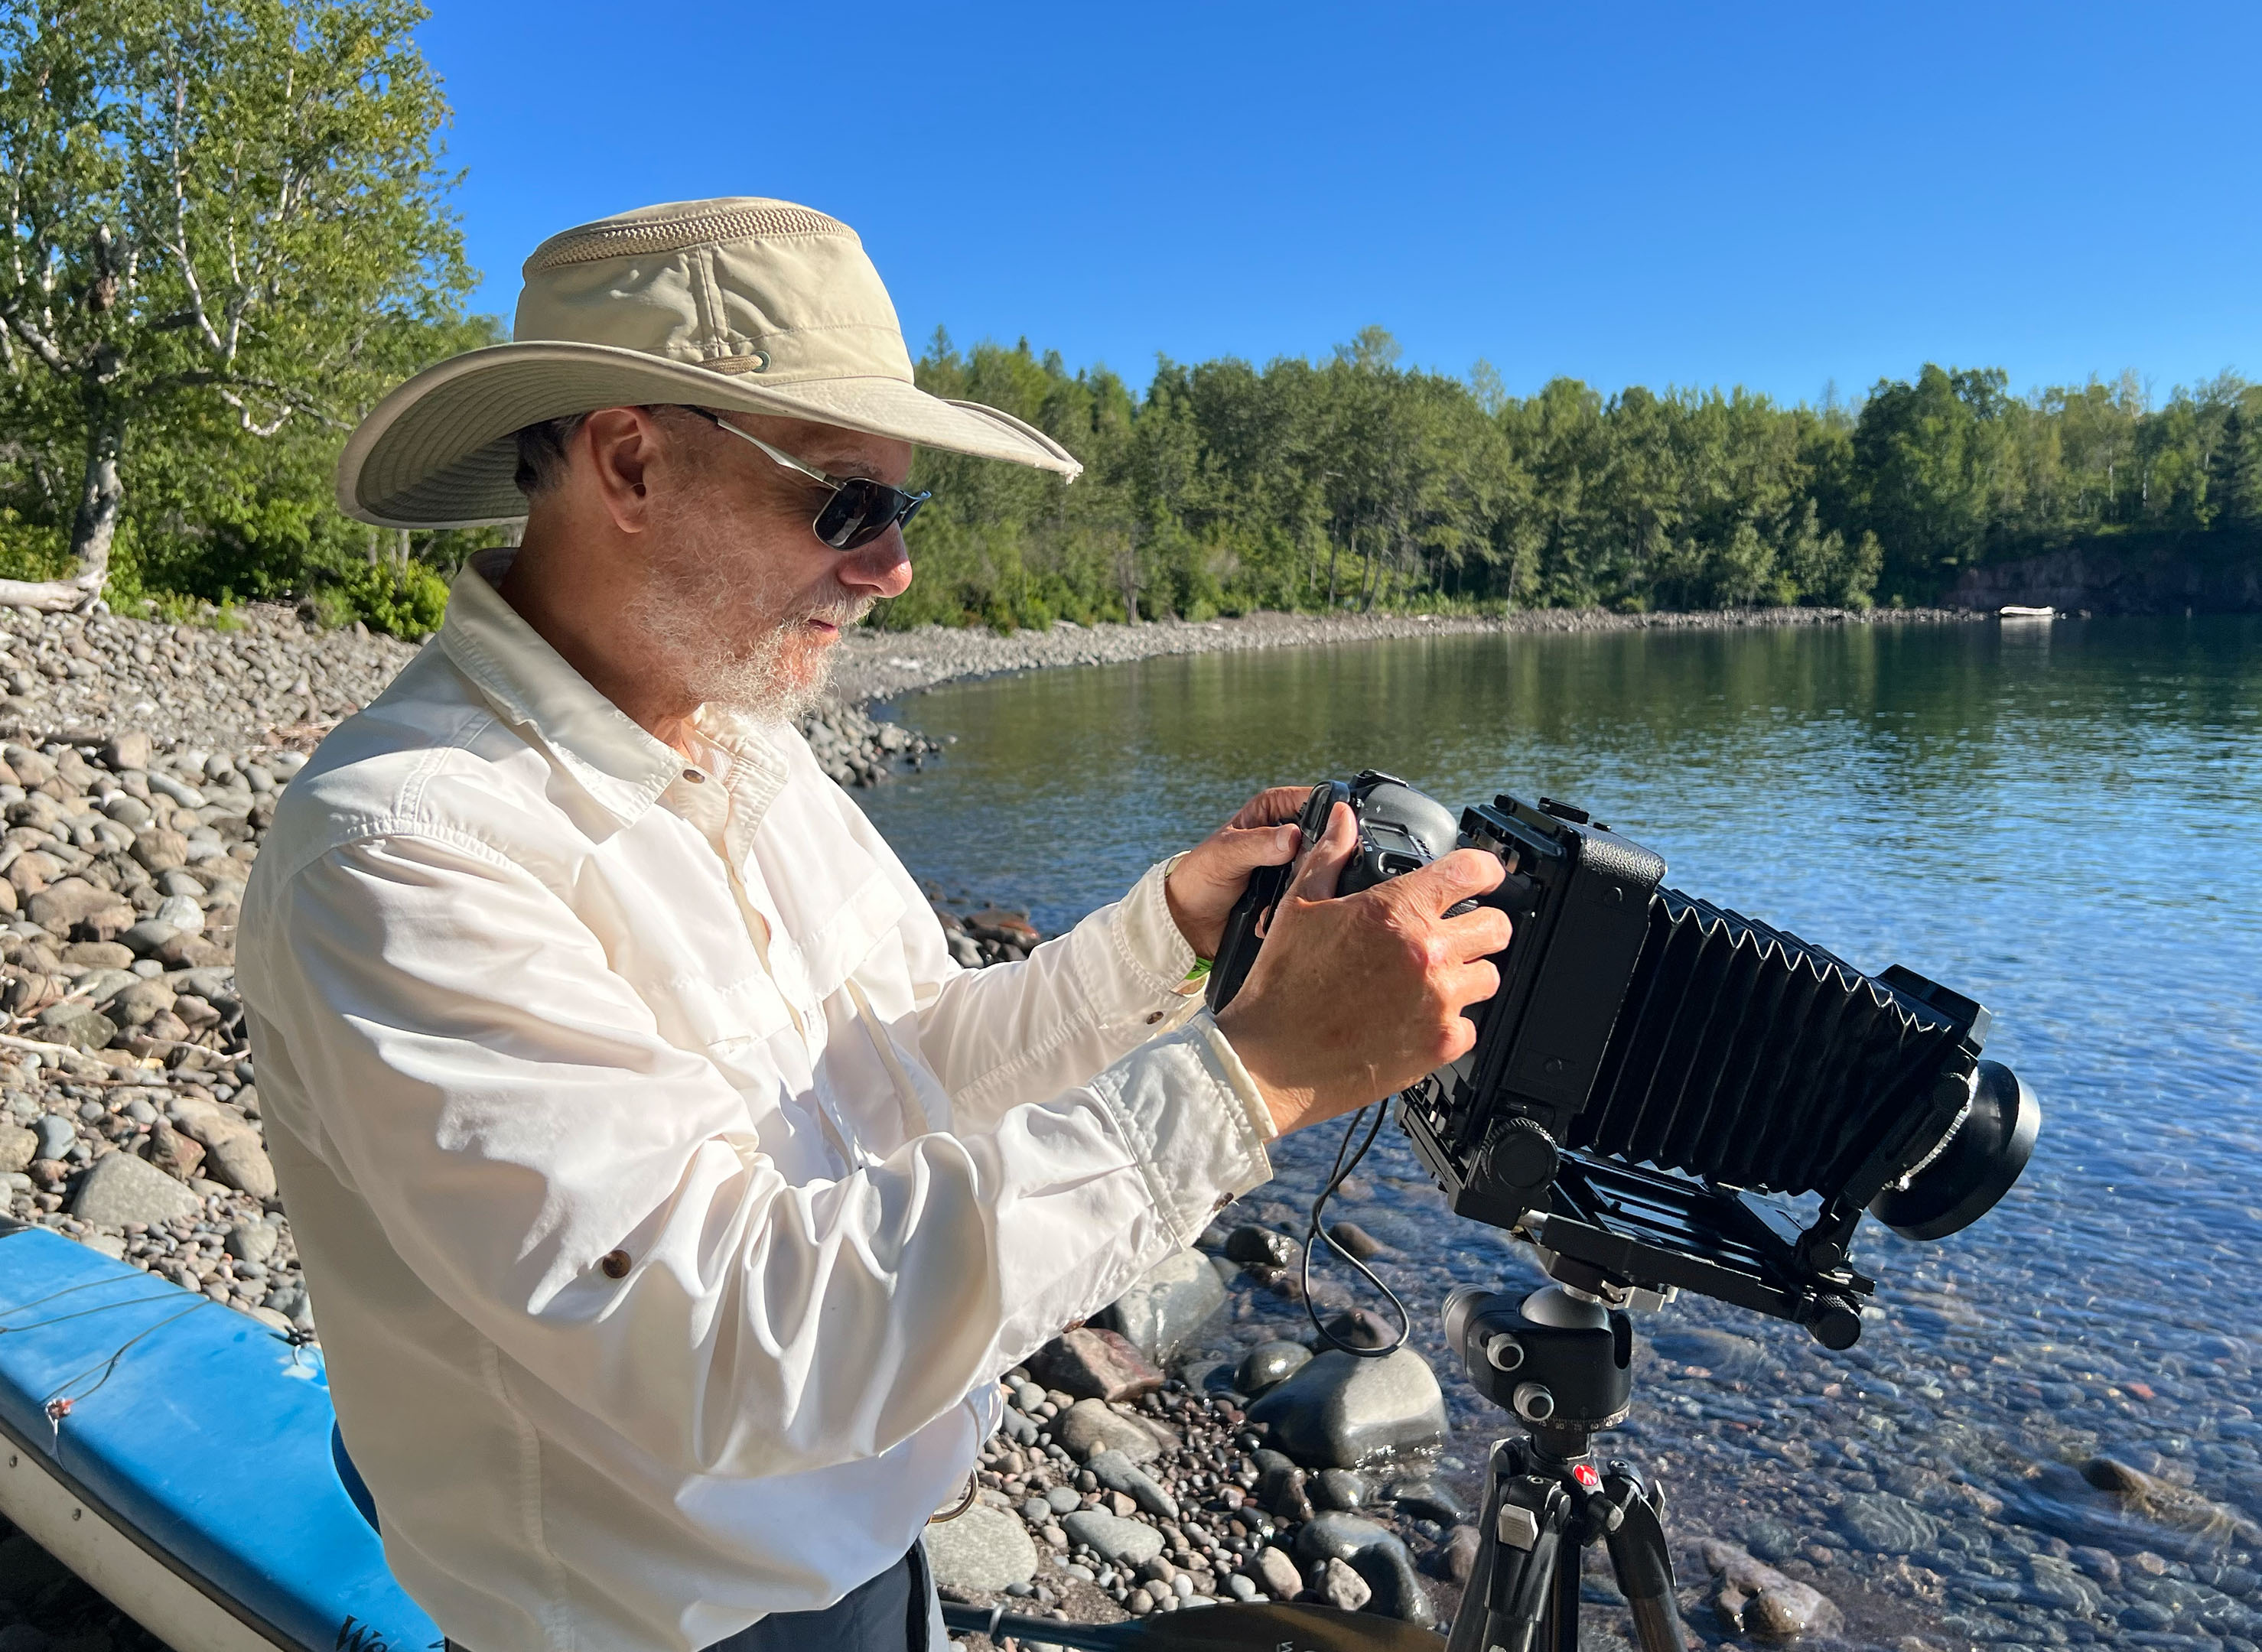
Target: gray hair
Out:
[541,453]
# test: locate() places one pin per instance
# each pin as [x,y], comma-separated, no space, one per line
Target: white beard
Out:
[700,623]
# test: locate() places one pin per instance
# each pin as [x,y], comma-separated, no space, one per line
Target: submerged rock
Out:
[1170,1303]
[1342,1412]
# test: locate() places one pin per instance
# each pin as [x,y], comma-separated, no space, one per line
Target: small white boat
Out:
[2013,611]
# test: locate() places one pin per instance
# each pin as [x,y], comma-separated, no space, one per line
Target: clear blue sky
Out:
[1775,196]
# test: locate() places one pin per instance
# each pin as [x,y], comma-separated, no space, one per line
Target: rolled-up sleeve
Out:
[595,1200]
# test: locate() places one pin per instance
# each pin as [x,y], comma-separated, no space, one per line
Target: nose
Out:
[880,569]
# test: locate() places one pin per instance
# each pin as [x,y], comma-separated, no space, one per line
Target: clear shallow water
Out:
[2061,820]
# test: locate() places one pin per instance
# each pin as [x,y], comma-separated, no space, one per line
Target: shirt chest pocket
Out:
[721,1019]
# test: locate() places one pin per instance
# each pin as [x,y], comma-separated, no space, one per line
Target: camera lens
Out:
[1971,1174]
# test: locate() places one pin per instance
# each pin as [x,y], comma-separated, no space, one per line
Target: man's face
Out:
[744,594]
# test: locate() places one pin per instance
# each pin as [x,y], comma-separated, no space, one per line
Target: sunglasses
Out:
[859,510]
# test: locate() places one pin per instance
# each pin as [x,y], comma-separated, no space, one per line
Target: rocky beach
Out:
[1197,1442]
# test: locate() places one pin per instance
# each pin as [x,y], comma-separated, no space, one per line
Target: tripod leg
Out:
[1511,1591]
[1644,1566]
[1561,1630]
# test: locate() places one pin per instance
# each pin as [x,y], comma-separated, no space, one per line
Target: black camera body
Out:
[1658,1078]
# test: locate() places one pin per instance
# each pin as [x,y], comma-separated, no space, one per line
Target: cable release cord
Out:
[1318,1234]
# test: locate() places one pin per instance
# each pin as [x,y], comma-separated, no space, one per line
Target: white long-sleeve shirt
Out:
[669,1199]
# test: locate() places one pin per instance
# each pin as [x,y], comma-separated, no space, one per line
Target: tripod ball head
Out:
[1554,1358]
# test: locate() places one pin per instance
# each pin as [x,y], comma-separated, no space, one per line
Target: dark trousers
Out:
[890,1613]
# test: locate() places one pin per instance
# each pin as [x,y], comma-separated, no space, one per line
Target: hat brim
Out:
[438,453]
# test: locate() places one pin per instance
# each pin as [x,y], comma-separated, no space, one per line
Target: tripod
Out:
[1562,1362]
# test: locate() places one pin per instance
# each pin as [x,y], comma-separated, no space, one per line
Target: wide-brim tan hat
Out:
[743,302]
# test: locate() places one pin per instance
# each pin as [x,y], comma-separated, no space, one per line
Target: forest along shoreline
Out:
[140,766]
[882,665]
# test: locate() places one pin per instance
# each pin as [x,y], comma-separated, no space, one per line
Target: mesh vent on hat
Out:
[619,238]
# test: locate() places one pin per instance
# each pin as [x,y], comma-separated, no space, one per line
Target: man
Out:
[670,1200]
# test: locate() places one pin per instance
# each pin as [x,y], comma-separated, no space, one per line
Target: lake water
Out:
[2059,819]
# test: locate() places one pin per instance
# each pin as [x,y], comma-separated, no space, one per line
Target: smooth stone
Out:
[1773,1540]
[90,1029]
[121,1188]
[1360,1328]
[127,810]
[1277,1573]
[984,1549]
[131,749]
[1269,1364]
[1089,1427]
[1342,1588]
[97,955]
[1091,1363]
[1428,1499]
[1382,1558]
[1118,1473]
[1884,1524]
[1243,1587]
[1789,1610]
[1160,1313]
[17,1148]
[1339,1489]
[1261,1248]
[139,1004]
[148,937]
[240,1162]
[182,913]
[55,1134]
[1355,1241]
[1061,1500]
[72,904]
[253,1241]
[1035,1511]
[1462,1544]
[1114,1539]
[1342,1412]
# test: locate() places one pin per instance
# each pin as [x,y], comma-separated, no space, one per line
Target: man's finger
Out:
[1477,933]
[1449,880]
[1270,807]
[1236,852]
[1324,862]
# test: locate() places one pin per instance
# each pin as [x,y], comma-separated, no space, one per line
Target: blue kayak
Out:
[183,1459]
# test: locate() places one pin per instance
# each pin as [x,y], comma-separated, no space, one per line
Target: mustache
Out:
[843,611]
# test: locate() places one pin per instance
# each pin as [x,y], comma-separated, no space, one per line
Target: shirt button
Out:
[1152,1019]
[615,1264]
[694,776]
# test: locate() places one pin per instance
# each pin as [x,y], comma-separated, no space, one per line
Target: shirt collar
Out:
[622,767]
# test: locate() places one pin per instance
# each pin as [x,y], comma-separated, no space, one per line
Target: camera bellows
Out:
[1742,1054]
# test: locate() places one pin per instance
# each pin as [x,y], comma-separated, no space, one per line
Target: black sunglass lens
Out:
[857,514]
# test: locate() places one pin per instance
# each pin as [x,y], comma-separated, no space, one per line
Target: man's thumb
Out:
[1324,861]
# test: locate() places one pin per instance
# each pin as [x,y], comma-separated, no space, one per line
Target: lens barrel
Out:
[1970,1175]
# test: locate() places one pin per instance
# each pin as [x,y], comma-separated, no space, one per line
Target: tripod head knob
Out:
[1534,1403]
[1503,1352]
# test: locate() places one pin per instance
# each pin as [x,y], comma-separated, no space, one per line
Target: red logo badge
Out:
[1585,1475]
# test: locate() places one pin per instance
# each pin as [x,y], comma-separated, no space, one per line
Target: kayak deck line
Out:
[48,1504]
[188,1478]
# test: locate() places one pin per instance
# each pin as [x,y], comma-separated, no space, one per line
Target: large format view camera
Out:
[1665,1094]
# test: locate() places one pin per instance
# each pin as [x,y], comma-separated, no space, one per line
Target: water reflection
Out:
[2057,819]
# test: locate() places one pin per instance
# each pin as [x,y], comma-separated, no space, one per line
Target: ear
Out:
[621,448]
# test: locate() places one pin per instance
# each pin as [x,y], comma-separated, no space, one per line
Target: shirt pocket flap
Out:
[832,954]
[703,1014]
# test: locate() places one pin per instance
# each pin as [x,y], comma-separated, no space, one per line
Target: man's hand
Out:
[1209,878]
[1353,998]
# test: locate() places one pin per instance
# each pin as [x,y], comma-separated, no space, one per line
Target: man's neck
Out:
[574,603]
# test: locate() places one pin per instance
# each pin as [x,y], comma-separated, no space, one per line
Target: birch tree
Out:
[232,208]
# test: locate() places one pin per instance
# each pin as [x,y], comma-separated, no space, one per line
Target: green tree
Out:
[223,220]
